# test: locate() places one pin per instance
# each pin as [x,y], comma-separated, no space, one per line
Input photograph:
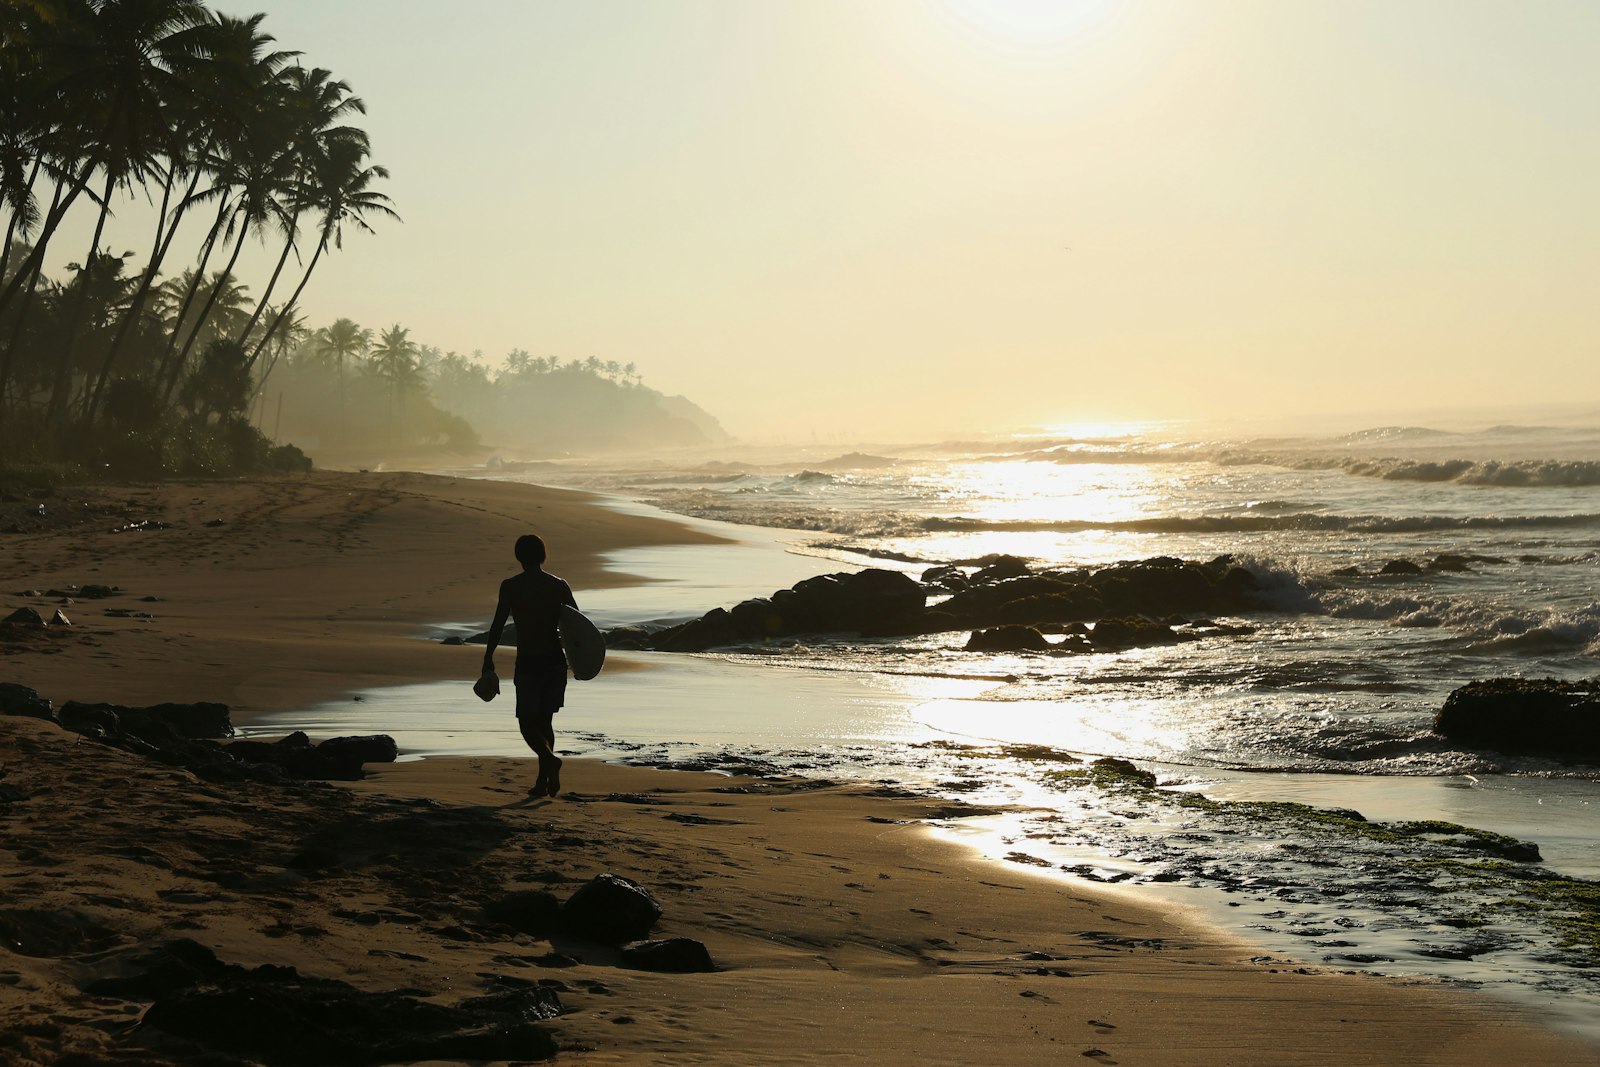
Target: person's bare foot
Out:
[540,787]
[554,777]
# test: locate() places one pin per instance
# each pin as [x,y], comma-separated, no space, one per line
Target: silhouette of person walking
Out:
[533,601]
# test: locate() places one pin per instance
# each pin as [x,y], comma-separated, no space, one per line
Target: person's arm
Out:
[502,608]
[566,594]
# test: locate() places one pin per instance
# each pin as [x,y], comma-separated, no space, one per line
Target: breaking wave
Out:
[1300,521]
[1518,474]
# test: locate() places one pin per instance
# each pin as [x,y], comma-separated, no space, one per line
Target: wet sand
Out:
[841,929]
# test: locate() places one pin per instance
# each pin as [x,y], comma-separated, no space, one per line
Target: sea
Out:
[1287,784]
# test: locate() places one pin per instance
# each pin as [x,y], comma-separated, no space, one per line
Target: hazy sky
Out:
[888,217]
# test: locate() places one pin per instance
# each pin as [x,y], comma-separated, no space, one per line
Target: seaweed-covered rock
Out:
[1525,715]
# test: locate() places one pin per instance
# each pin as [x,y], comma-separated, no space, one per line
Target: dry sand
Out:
[842,930]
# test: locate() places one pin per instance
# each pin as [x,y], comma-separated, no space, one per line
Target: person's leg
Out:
[537,732]
[534,709]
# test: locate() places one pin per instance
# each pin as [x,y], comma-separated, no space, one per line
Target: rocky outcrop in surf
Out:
[1537,716]
[1140,602]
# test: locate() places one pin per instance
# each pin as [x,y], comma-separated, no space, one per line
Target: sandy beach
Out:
[840,928]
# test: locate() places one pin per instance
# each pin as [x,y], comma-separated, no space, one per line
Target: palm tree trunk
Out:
[158,255]
[194,287]
[304,278]
[164,230]
[56,414]
[52,220]
[261,305]
[11,224]
[22,312]
[205,311]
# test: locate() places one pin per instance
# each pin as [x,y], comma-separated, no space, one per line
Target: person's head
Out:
[530,551]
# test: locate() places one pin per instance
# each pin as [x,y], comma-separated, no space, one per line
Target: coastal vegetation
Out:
[153,362]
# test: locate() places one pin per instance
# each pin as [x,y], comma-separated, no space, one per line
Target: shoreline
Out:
[867,959]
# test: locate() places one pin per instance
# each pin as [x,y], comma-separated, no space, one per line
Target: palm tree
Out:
[316,102]
[394,359]
[109,67]
[340,343]
[260,166]
[341,190]
[219,85]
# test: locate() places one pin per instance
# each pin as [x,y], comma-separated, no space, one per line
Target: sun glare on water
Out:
[1029,23]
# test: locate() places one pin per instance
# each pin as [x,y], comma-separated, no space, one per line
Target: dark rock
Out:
[1450,564]
[1400,566]
[528,911]
[998,568]
[454,639]
[628,637]
[1131,633]
[950,579]
[51,933]
[508,637]
[60,619]
[1008,639]
[91,720]
[26,618]
[1345,572]
[276,1014]
[362,748]
[610,910]
[155,724]
[20,700]
[1004,592]
[674,955]
[1525,715]
[337,759]
[146,972]
[868,602]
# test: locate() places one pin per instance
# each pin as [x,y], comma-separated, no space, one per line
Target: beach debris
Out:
[141,526]
[610,910]
[1525,715]
[672,955]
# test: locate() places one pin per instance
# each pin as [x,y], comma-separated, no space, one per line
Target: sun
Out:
[1028,23]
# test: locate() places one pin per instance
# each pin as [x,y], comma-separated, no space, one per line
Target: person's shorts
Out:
[541,686]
